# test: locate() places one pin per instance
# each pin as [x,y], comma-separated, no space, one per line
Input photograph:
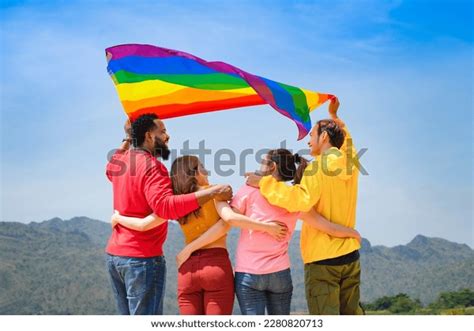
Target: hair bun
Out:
[297,158]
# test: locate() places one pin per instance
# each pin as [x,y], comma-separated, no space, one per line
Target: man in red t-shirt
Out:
[142,186]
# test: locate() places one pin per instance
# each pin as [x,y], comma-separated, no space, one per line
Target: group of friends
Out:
[287,187]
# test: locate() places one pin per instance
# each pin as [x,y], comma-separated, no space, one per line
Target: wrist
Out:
[189,247]
[266,227]
[187,250]
[212,192]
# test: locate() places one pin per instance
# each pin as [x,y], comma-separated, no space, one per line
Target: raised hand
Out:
[127,127]
[333,107]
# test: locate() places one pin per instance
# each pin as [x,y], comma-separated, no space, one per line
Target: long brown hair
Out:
[285,162]
[183,177]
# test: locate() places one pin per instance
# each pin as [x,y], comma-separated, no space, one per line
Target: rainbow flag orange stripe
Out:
[172,83]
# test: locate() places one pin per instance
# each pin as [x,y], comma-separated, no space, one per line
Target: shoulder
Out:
[207,211]
[246,189]
[246,193]
[116,157]
[313,167]
[160,165]
[118,153]
[153,165]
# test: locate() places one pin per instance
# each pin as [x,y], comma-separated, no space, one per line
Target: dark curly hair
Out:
[335,132]
[141,126]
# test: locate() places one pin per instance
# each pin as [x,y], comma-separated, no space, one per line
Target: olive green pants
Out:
[333,290]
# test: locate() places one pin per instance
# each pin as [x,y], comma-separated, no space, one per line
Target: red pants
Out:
[206,283]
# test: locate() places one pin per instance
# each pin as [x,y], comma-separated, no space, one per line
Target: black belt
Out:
[340,260]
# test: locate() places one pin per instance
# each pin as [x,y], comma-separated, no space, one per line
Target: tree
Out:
[398,304]
[402,303]
[461,298]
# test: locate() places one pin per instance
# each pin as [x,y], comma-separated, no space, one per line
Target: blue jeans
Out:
[138,284]
[271,291]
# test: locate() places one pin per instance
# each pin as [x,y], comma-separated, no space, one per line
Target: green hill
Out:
[58,267]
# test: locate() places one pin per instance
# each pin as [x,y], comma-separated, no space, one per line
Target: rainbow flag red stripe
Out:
[172,83]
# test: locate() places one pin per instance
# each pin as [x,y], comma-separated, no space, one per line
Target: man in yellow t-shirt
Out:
[329,185]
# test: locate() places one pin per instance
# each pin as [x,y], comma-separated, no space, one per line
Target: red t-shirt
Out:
[142,186]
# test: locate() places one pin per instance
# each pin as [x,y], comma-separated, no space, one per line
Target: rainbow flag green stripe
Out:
[215,81]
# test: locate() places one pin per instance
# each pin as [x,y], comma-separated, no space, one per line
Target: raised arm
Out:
[211,235]
[276,229]
[127,127]
[136,223]
[333,108]
[319,222]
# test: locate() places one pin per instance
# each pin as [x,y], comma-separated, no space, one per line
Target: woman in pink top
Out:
[262,267]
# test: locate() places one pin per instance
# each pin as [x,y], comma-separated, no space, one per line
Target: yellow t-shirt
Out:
[329,185]
[196,226]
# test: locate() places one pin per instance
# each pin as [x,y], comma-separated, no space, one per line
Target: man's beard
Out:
[160,149]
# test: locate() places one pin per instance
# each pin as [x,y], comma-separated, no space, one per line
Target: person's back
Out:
[128,171]
[199,222]
[262,272]
[258,252]
[141,186]
[205,279]
[337,202]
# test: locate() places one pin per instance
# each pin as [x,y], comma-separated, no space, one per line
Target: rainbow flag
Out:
[172,83]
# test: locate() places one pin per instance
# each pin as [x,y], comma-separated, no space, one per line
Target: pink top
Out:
[258,252]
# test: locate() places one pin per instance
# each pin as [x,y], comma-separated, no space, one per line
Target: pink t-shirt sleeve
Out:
[240,199]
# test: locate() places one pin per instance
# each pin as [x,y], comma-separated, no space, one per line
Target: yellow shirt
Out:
[196,226]
[329,185]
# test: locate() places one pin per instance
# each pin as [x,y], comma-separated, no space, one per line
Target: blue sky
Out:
[402,70]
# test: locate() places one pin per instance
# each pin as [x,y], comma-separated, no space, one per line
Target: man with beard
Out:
[142,186]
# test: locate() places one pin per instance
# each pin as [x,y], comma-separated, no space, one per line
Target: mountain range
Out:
[58,267]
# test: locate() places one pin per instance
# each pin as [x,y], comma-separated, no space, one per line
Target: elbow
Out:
[228,217]
[305,206]
[232,218]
